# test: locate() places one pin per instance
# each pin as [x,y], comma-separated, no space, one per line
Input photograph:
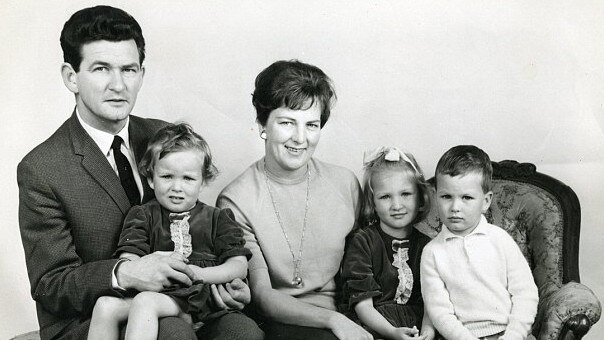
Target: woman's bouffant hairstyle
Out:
[463,159]
[174,138]
[292,84]
[409,166]
[98,23]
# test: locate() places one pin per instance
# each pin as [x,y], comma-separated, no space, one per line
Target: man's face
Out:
[107,83]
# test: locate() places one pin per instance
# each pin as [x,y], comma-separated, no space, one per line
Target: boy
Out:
[475,281]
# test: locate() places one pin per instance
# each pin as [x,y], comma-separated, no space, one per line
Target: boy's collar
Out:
[481,229]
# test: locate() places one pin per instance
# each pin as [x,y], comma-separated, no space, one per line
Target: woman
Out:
[296,211]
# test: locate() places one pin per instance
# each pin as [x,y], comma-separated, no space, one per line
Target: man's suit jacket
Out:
[71,209]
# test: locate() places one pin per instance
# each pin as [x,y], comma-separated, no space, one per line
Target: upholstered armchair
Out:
[544,217]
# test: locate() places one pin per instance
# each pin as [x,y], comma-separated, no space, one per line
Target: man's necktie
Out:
[125,172]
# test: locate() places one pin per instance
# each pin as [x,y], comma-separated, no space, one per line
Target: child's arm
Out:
[376,321]
[437,301]
[234,267]
[523,292]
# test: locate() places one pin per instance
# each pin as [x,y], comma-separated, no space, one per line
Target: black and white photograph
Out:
[302,169]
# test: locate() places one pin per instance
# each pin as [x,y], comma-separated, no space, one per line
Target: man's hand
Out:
[153,272]
[232,295]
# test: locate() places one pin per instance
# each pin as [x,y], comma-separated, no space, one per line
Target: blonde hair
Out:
[408,166]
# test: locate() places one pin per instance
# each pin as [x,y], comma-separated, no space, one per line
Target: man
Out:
[76,187]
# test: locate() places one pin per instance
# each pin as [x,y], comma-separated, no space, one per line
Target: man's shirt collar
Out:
[104,139]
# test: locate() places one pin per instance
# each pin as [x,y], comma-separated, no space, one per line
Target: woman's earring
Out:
[263,134]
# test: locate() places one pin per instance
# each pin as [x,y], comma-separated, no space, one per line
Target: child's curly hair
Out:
[173,138]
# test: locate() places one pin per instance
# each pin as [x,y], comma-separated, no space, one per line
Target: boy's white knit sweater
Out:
[478,285]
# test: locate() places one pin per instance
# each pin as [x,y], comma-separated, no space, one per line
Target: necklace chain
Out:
[297,279]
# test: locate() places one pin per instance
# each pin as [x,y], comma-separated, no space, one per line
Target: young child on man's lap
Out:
[176,164]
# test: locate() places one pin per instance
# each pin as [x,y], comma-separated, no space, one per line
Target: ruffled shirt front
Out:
[405,275]
[214,234]
[368,269]
[207,236]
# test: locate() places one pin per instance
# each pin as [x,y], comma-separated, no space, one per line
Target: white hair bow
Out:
[390,153]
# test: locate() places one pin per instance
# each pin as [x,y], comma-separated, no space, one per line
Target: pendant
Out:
[297,281]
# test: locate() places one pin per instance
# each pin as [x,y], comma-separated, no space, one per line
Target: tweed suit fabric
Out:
[71,209]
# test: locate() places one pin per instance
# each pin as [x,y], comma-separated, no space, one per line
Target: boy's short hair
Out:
[174,138]
[294,85]
[98,23]
[463,159]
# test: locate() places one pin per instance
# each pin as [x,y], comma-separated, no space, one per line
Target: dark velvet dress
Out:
[367,271]
[215,236]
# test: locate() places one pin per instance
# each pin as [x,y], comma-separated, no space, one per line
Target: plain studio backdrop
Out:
[523,80]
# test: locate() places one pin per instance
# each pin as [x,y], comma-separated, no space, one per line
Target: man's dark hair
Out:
[98,23]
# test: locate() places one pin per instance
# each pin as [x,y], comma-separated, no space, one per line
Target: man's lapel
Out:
[96,164]
[139,137]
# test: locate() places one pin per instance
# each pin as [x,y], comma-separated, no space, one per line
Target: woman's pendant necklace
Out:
[297,278]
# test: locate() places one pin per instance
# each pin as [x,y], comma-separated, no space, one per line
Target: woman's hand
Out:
[231,295]
[345,329]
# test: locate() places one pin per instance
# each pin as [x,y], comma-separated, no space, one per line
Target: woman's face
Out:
[291,138]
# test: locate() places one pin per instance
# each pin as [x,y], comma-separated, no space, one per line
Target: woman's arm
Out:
[272,303]
[233,268]
[289,310]
[376,321]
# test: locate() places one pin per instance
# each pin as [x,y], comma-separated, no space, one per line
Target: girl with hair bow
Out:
[381,265]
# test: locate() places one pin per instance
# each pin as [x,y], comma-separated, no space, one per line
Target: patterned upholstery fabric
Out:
[534,218]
